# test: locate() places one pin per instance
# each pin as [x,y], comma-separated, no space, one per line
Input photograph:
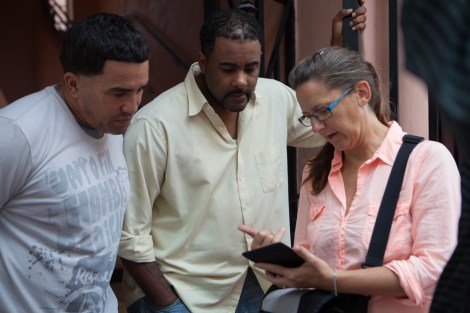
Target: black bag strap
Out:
[380,234]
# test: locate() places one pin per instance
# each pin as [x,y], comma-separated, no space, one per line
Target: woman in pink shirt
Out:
[343,185]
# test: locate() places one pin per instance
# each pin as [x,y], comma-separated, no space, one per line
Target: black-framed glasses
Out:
[323,113]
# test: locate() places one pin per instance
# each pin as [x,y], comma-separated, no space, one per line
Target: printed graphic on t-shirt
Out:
[77,265]
[88,285]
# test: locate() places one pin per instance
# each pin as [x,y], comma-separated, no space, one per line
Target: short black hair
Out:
[90,42]
[234,24]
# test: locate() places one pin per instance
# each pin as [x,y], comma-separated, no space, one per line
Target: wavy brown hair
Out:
[337,67]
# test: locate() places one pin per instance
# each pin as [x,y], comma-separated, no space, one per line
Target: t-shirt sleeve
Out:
[15,160]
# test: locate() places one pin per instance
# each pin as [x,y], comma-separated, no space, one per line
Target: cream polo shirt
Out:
[192,185]
[424,228]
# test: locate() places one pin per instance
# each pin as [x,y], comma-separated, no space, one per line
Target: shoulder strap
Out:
[381,231]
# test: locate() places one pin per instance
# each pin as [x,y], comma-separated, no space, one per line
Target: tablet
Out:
[276,253]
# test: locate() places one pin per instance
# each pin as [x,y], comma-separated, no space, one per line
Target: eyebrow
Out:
[124,89]
[317,107]
[228,63]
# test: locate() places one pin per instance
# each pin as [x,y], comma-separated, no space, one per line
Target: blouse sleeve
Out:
[434,211]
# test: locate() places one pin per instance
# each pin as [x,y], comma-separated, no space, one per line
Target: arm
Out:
[145,175]
[411,272]
[435,211]
[15,161]
[316,273]
[358,23]
[152,282]
[297,134]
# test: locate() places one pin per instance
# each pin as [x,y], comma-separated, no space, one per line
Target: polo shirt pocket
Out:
[270,169]
[400,239]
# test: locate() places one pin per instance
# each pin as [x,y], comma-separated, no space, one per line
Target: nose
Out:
[132,104]
[317,125]
[241,79]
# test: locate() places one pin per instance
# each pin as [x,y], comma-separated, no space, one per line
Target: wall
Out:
[413,96]
[175,41]
[29,48]
[3,99]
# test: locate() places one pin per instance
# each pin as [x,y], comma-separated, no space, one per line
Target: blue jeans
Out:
[143,305]
[252,295]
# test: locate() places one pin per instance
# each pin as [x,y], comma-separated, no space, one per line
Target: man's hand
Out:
[152,282]
[357,24]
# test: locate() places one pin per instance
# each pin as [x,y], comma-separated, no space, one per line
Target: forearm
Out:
[152,282]
[316,273]
[375,281]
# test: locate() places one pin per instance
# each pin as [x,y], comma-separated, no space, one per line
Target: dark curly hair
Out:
[89,43]
[234,24]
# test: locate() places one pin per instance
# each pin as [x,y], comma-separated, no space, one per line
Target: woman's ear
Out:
[363,90]
[202,60]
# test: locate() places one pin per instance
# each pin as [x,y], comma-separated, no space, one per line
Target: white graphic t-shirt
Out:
[62,199]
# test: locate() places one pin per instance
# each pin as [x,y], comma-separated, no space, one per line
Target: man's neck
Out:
[85,126]
[229,118]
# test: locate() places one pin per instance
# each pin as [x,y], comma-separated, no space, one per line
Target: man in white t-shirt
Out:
[64,185]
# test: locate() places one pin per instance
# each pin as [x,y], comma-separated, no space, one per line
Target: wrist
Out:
[335,286]
[163,302]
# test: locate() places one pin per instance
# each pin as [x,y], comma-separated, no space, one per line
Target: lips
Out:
[124,120]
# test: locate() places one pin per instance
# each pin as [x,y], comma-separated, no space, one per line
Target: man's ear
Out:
[202,60]
[72,84]
[364,92]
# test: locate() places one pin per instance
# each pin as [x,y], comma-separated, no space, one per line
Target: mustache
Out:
[248,92]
